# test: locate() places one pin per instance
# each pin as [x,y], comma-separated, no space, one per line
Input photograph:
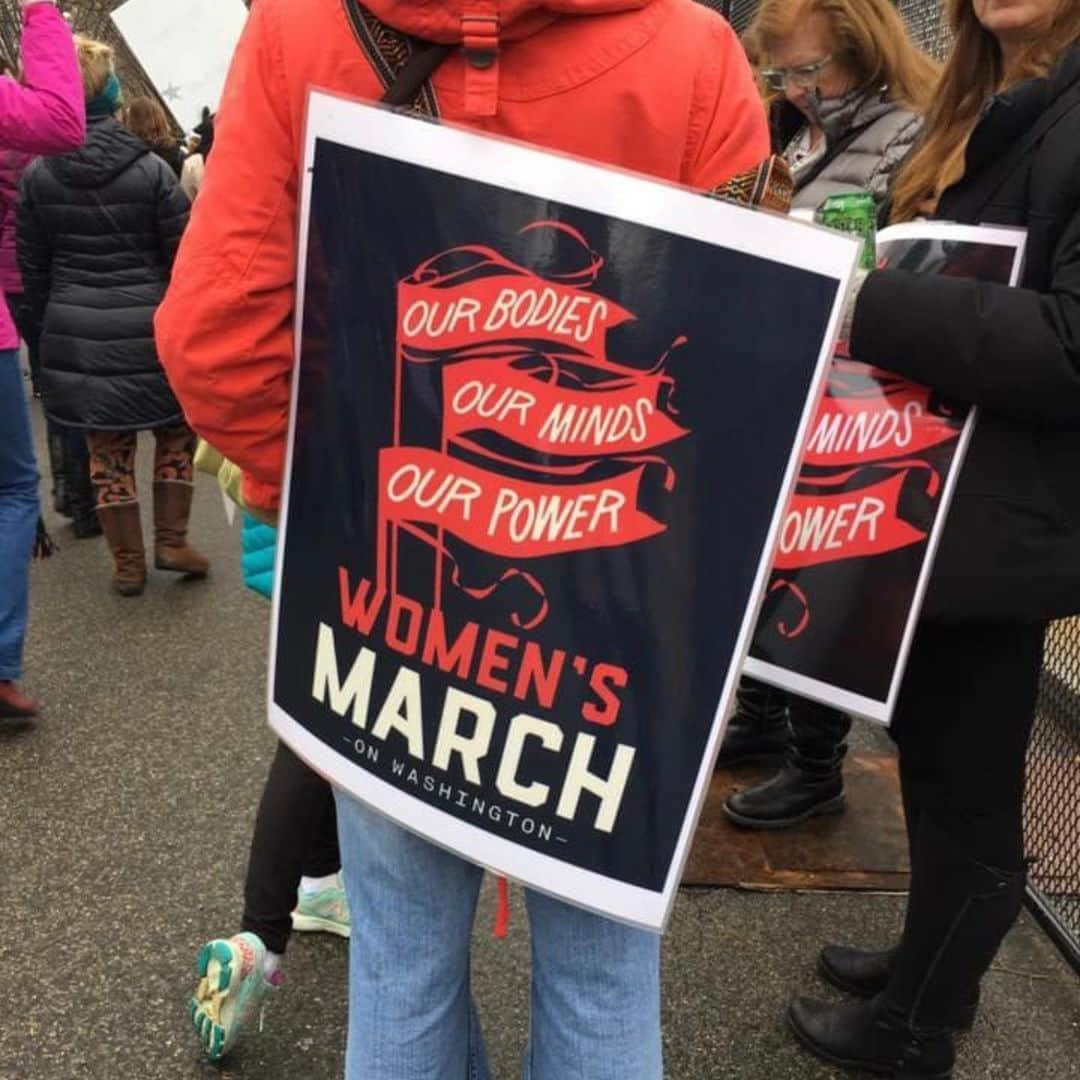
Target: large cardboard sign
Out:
[185,46]
[858,538]
[544,417]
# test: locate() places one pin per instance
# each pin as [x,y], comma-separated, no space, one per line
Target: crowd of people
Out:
[139,314]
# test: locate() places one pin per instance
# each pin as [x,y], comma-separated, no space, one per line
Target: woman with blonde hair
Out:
[98,230]
[849,91]
[1002,146]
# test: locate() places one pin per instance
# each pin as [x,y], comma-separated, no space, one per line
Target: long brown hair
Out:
[869,39]
[973,73]
[147,119]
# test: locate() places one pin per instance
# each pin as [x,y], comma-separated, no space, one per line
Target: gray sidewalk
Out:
[126,818]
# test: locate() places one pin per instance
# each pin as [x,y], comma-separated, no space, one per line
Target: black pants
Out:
[295,835]
[962,725]
[818,735]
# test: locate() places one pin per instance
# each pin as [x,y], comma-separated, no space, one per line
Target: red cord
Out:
[502,910]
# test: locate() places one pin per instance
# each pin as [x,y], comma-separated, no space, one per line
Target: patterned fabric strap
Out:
[769,186]
[389,52]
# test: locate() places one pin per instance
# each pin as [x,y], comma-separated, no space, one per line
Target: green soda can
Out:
[855,213]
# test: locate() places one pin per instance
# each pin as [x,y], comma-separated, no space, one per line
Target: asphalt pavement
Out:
[125,819]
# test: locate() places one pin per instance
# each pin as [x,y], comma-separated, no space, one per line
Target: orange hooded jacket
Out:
[657,86]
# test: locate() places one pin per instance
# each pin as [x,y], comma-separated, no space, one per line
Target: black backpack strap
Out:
[404,64]
[831,154]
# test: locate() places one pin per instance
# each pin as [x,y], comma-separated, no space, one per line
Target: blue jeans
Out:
[18,513]
[595,983]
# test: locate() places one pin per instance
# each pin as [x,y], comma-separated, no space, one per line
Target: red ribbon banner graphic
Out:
[619,416]
[527,387]
[868,415]
[869,420]
[853,524]
[445,306]
[509,517]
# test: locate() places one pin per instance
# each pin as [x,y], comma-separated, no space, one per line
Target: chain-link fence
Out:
[740,12]
[1053,806]
[926,25]
[924,19]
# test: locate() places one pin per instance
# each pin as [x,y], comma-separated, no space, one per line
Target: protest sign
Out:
[544,417]
[857,541]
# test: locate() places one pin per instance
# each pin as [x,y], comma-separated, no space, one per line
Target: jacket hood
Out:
[109,149]
[444,20]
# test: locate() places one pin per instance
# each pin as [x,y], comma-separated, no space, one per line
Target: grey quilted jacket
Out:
[867,138]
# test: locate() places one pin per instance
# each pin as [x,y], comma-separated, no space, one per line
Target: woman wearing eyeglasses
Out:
[1002,146]
[849,92]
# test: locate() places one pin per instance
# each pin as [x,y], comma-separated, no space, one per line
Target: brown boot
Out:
[123,531]
[172,508]
[14,704]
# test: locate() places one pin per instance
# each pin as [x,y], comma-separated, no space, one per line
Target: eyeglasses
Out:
[803,77]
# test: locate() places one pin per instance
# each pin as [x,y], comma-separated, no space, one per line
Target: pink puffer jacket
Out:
[44,115]
[12,165]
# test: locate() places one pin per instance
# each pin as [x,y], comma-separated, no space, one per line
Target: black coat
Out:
[173,156]
[97,232]
[1011,546]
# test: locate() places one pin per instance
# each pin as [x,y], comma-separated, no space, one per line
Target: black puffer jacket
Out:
[98,231]
[1011,547]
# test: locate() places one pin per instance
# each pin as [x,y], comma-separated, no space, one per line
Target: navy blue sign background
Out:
[667,609]
[854,612]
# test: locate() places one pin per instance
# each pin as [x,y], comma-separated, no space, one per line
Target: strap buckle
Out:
[480,38]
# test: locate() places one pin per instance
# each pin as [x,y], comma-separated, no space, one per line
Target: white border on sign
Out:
[522,168]
[826,693]
[999,235]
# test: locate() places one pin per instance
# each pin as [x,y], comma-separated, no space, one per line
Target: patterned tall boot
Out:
[123,531]
[172,509]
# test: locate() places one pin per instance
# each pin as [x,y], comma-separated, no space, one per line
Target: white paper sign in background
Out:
[185,46]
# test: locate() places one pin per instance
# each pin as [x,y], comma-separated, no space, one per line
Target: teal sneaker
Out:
[326,910]
[232,988]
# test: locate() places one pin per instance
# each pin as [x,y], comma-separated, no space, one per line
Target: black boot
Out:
[56,443]
[865,974]
[759,729]
[810,784]
[958,912]
[80,490]
[868,1036]
[860,972]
